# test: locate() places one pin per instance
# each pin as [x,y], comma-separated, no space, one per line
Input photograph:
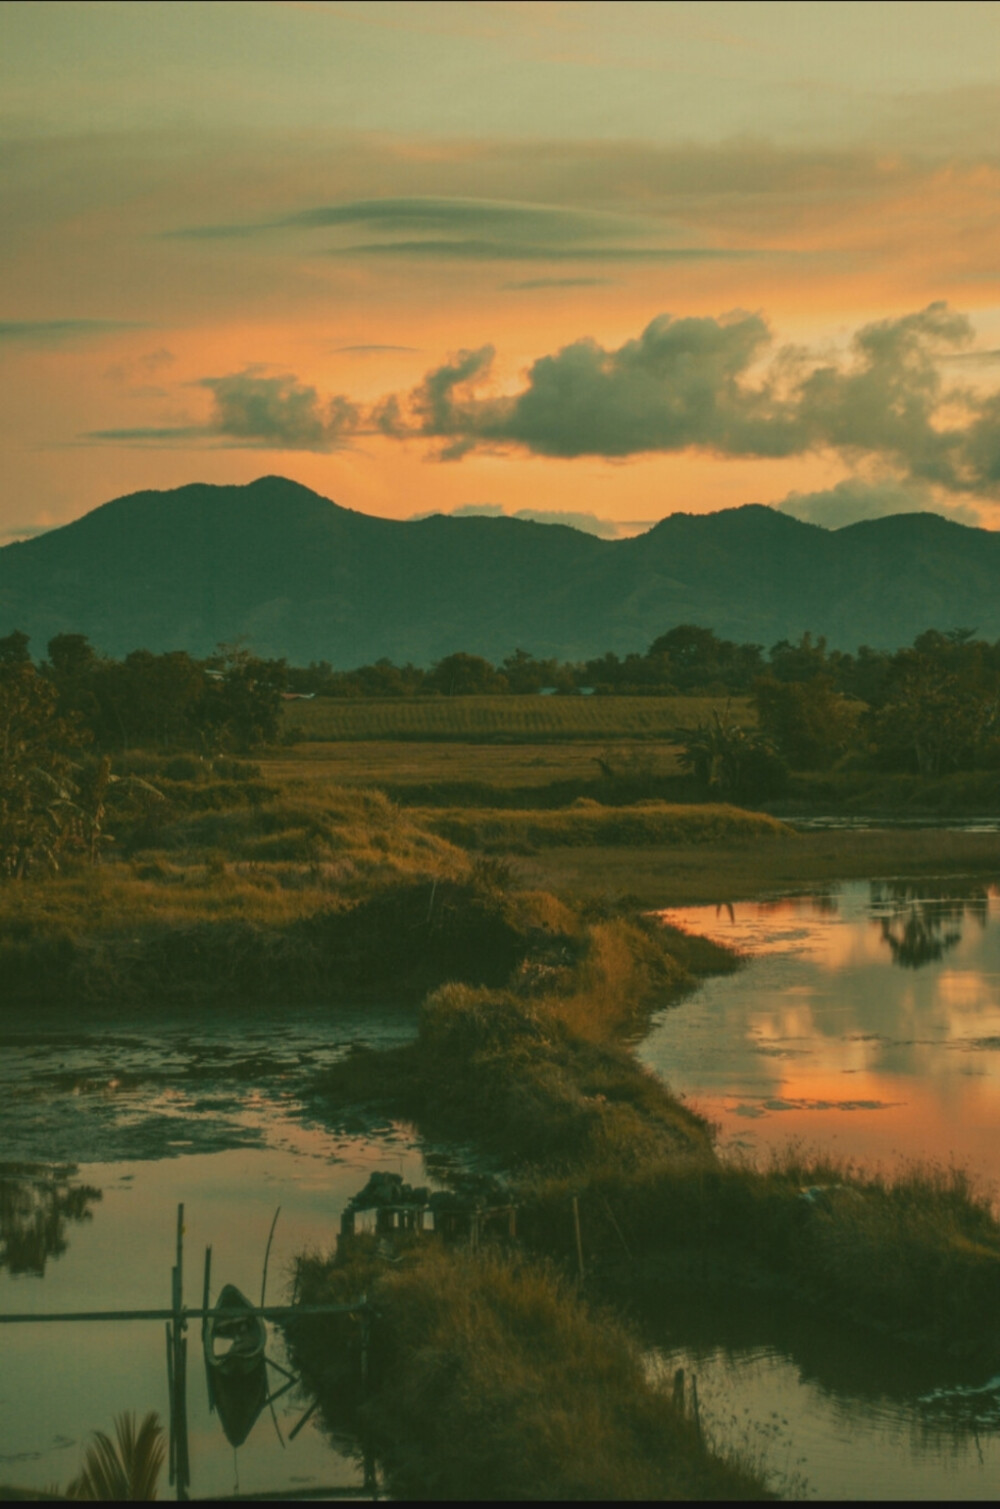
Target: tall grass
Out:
[492,1380]
[586,824]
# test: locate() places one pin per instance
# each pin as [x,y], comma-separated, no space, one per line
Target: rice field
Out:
[503,719]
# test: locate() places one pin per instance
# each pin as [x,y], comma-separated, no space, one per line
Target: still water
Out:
[104,1130]
[867,1023]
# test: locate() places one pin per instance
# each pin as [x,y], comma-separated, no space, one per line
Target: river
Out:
[867,1023]
[105,1128]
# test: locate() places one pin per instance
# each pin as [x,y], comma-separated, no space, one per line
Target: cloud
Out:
[482,230]
[407,215]
[856,499]
[51,332]
[279,413]
[587,523]
[676,385]
[557,283]
[483,250]
[366,350]
[14,532]
[719,385]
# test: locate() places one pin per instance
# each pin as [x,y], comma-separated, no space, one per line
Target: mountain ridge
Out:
[300,575]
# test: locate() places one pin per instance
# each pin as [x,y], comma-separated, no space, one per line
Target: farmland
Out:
[502,719]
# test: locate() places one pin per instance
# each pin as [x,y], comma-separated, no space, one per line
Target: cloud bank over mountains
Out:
[717,385]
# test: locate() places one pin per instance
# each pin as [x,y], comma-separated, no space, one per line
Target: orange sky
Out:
[304,202]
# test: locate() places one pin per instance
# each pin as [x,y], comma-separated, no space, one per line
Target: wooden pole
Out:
[219,1312]
[180,1254]
[170,1400]
[183,1460]
[576,1233]
[205,1291]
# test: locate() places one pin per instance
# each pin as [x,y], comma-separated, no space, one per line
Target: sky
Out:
[590,262]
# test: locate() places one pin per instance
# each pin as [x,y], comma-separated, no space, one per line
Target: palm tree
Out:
[128,1471]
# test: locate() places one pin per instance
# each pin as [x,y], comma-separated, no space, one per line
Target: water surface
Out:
[866,1022]
[105,1128]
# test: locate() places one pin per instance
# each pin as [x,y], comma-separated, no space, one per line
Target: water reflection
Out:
[867,1020]
[36,1204]
[921,921]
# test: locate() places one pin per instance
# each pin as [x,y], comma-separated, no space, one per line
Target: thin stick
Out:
[267,1254]
[576,1232]
[307,1416]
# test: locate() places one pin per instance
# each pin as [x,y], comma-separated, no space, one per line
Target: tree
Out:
[809,722]
[734,762]
[14,648]
[241,705]
[462,675]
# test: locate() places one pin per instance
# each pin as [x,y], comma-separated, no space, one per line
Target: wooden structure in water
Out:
[176,1319]
[456,1217]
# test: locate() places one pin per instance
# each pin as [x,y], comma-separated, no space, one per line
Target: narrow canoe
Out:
[234,1362]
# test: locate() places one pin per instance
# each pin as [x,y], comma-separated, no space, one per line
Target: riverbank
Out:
[491,1378]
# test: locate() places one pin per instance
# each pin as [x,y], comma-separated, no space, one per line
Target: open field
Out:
[403,765]
[514,719]
[735,871]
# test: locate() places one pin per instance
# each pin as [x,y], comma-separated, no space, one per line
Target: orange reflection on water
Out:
[866,1023]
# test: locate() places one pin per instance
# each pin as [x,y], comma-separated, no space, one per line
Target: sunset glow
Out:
[406,254]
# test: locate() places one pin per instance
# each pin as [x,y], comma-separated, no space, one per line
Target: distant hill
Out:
[300,576]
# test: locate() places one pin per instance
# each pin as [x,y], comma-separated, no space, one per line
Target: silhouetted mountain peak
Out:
[301,576]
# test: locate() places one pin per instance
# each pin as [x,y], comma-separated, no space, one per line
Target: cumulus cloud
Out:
[720,385]
[677,385]
[714,384]
[279,413]
[856,499]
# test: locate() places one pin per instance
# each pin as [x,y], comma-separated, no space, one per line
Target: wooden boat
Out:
[235,1364]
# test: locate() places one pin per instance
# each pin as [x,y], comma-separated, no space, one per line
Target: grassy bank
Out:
[491,1379]
[586,824]
[715,873]
[535,1075]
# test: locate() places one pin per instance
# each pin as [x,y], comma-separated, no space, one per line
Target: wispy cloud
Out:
[373,349]
[530,283]
[473,229]
[53,332]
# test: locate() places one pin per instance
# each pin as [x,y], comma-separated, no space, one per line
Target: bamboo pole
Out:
[205,1290]
[183,1459]
[266,1312]
[170,1401]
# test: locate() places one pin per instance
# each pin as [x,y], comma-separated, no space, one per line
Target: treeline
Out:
[688,660]
[930,708]
[229,702]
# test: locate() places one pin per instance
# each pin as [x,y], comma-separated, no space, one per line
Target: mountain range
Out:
[297,575]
